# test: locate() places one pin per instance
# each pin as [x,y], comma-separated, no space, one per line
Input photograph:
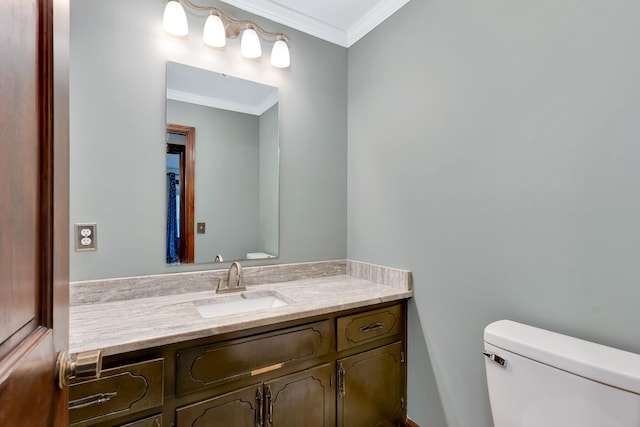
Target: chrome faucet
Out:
[234,280]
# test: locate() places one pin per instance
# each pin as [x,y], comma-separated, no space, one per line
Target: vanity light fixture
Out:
[175,20]
[220,26]
[250,44]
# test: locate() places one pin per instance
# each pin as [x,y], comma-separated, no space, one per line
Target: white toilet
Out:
[538,378]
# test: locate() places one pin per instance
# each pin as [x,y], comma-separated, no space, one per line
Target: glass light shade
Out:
[214,32]
[280,54]
[250,44]
[174,20]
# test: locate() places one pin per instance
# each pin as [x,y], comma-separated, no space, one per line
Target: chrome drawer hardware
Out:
[372,327]
[499,360]
[96,399]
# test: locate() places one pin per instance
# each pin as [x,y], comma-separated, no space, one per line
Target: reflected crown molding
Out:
[256,110]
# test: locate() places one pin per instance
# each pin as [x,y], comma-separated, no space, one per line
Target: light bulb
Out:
[174,20]
[214,32]
[280,54]
[250,44]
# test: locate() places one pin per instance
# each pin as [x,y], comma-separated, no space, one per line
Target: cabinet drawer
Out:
[207,366]
[118,392]
[361,328]
[155,421]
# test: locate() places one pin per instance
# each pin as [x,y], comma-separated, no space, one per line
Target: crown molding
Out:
[293,19]
[372,19]
[317,28]
[207,101]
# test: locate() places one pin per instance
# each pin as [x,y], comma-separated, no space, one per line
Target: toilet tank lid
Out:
[600,363]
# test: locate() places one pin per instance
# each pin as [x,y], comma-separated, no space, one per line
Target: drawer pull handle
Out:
[372,327]
[266,369]
[96,399]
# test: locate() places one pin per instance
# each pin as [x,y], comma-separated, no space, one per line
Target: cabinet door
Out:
[371,388]
[302,399]
[240,408]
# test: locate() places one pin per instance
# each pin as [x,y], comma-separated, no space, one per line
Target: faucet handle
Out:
[222,286]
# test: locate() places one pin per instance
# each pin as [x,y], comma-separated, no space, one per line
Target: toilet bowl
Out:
[539,378]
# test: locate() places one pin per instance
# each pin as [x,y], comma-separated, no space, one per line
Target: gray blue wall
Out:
[117,87]
[226,179]
[269,181]
[493,151]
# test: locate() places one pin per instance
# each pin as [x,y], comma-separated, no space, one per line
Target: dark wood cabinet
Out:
[371,388]
[154,421]
[209,365]
[301,399]
[118,392]
[344,369]
[241,408]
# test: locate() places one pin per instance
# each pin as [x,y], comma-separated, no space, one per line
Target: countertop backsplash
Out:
[127,288]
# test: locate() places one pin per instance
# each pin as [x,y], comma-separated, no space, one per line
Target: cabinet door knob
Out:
[87,365]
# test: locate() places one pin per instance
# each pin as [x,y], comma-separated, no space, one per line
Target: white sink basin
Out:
[239,303]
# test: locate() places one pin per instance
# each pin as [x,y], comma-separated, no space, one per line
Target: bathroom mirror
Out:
[222,167]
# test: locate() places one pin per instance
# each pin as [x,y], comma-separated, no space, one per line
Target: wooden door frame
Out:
[187,191]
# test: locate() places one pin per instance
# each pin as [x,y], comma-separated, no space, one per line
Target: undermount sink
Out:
[239,303]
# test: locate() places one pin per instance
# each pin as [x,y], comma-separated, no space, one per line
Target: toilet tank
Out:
[553,380]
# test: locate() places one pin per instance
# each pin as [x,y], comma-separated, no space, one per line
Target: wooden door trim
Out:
[46,229]
[187,192]
[19,351]
[28,356]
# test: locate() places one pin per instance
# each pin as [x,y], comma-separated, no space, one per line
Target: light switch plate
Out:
[201,227]
[86,237]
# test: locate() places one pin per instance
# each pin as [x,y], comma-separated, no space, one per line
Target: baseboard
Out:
[410,423]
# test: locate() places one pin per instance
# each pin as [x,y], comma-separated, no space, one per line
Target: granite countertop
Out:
[128,325]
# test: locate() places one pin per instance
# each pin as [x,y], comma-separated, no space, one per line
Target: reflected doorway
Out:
[180,148]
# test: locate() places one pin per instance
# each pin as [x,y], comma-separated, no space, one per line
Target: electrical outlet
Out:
[86,237]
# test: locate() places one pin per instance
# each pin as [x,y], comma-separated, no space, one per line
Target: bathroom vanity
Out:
[333,354]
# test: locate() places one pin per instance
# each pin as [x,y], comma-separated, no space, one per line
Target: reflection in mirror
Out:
[222,174]
[180,183]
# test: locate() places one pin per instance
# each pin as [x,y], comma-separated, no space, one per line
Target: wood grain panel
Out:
[211,365]
[238,409]
[19,166]
[155,421]
[365,327]
[301,399]
[371,390]
[118,392]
